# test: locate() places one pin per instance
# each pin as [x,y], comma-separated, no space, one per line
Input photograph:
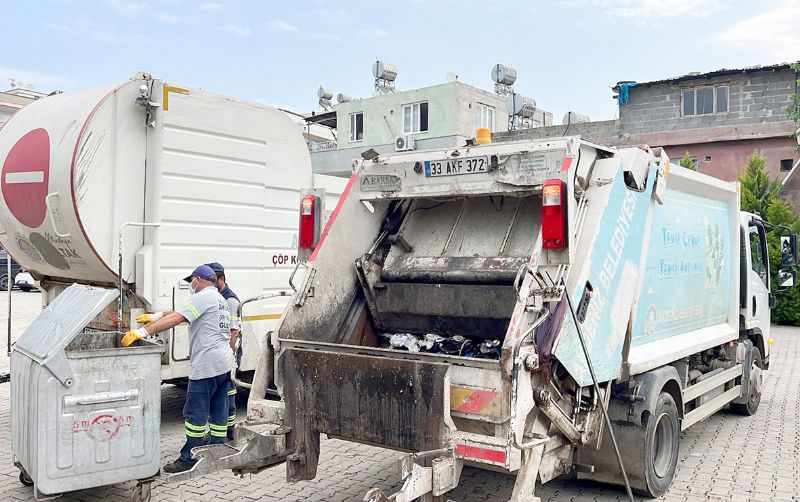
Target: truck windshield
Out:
[758,252]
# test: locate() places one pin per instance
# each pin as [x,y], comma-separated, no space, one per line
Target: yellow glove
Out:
[132,336]
[149,318]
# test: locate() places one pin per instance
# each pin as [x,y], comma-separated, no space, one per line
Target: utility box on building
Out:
[85,412]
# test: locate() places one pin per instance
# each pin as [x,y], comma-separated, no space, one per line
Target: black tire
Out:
[25,479]
[754,387]
[26,289]
[4,283]
[662,437]
[141,493]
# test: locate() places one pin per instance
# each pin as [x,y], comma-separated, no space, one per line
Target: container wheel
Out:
[24,478]
[141,493]
[754,387]
[661,441]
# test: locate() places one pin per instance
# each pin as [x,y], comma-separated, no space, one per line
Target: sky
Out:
[568,53]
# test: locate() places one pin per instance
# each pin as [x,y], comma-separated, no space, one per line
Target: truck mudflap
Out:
[396,403]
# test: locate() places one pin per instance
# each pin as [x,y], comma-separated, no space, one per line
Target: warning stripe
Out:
[334,215]
[478,453]
[263,317]
[475,401]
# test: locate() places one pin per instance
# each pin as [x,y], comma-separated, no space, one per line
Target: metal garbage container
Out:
[85,412]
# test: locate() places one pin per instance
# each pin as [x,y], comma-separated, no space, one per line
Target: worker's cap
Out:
[216,267]
[203,272]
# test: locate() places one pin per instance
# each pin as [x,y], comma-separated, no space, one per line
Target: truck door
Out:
[758,280]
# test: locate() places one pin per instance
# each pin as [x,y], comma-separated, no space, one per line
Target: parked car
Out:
[15,269]
[24,281]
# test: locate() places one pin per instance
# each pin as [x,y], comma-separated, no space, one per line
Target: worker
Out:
[233,306]
[210,361]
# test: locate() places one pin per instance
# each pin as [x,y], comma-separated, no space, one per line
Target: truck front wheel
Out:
[753,388]
[662,435]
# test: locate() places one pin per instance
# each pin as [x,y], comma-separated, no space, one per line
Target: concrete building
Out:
[438,116]
[14,99]
[719,118]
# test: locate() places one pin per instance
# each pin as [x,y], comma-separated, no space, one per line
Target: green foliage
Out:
[758,190]
[793,109]
[688,162]
[759,194]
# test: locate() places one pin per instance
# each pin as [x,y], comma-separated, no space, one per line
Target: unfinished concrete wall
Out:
[754,98]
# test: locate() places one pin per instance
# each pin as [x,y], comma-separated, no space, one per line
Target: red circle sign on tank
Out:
[25,178]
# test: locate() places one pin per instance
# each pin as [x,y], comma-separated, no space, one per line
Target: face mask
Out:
[193,287]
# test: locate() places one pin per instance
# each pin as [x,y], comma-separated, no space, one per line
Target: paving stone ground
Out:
[725,458]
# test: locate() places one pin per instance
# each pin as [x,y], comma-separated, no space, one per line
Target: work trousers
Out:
[206,404]
[231,409]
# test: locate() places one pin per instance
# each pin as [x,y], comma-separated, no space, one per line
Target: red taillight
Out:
[308,224]
[554,215]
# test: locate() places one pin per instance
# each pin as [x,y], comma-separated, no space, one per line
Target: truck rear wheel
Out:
[753,388]
[662,436]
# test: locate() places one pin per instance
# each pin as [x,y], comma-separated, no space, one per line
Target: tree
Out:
[759,194]
[688,162]
[758,190]
[787,308]
[793,109]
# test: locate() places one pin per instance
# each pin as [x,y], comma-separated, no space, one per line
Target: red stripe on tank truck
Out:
[72,175]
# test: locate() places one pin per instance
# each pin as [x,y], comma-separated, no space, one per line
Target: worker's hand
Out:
[132,336]
[149,318]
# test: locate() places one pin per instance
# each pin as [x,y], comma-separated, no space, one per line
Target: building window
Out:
[705,100]
[415,118]
[484,116]
[786,165]
[356,126]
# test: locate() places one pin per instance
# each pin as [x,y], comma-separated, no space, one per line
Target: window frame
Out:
[714,107]
[354,131]
[418,123]
[790,163]
[489,115]
[763,261]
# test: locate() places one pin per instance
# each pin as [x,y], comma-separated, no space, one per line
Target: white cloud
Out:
[327,36]
[40,81]
[648,11]
[372,33]
[281,25]
[238,30]
[105,33]
[210,6]
[127,6]
[169,18]
[338,16]
[771,36]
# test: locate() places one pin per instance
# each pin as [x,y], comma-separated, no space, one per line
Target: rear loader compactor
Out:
[536,308]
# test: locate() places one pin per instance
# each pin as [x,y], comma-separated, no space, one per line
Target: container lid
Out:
[62,320]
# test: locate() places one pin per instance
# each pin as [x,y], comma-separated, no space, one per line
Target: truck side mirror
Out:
[787,278]
[789,249]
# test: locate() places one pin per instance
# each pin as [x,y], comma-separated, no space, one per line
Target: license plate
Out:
[452,167]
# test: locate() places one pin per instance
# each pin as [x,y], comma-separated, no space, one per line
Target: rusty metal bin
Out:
[85,412]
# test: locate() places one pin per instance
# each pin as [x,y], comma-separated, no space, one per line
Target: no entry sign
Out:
[25,177]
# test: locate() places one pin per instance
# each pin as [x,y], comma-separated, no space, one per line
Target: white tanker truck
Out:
[145,180]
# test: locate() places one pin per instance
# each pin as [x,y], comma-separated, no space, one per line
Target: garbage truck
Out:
[129,186]
[537,308]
